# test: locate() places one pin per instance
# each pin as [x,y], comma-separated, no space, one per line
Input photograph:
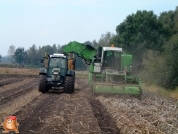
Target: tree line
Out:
[151,39]
[153,42]
[33,56]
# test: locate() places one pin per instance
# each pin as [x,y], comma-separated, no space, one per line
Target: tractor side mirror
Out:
[42,60]
[99,52]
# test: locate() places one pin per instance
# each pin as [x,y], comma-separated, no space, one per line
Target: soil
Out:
[82,112]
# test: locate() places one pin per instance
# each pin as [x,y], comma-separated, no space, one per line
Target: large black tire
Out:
[73,79]
[69,84]
[43,84]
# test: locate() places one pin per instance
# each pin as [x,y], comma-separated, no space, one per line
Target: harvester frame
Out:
[105,76]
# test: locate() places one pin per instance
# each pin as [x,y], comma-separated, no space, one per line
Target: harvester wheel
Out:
[42,84]
[69,84]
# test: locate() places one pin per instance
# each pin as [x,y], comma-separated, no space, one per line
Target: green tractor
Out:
[110,69]
[56,74]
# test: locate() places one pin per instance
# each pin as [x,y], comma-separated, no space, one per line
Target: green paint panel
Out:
[84,51]
[117,89]
[90,78]
[126,60]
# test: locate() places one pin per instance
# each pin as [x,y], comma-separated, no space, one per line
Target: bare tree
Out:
[105,39]
[11,53]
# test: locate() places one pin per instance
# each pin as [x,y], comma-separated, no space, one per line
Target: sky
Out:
[47,22]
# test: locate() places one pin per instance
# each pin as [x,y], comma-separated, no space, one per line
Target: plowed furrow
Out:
[61,114]
[133,115]
[16,104]
[17,91]
[29,110]
[105,121]
[32,121]
[9,81]
[15,85]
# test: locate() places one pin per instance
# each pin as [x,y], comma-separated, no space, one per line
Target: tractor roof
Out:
[112,49]
[58,55]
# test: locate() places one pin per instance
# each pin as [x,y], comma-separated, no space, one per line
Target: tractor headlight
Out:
[55,73]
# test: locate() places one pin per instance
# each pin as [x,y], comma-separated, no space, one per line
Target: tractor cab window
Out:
[57,62]
[112,59]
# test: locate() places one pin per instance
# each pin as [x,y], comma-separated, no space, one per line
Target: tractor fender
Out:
[42,71]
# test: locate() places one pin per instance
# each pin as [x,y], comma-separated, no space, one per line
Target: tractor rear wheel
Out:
[73,81]
[42,84]
[69,84]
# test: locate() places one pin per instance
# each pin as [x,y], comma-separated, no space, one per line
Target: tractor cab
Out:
[111,58]
[56,73]
[57,61]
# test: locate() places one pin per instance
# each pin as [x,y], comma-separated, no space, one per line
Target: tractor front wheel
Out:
[69,84]
[42,84]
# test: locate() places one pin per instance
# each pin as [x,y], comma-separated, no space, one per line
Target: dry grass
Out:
[151,115]
[26,71]
[161,91]
[22,71]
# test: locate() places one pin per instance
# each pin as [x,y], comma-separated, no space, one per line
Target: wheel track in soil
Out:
[15,84]
[17,91]
[46,106]
[141,102]
[106,123]
[33,122]
[11,107]
[40,103]
[153,113]
[104,119]
[9,81]
[99,110]
[29,111]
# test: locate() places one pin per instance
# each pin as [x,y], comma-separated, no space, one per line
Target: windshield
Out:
[57,62]
[112,59]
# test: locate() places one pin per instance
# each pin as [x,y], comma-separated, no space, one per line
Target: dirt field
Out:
[81,112]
